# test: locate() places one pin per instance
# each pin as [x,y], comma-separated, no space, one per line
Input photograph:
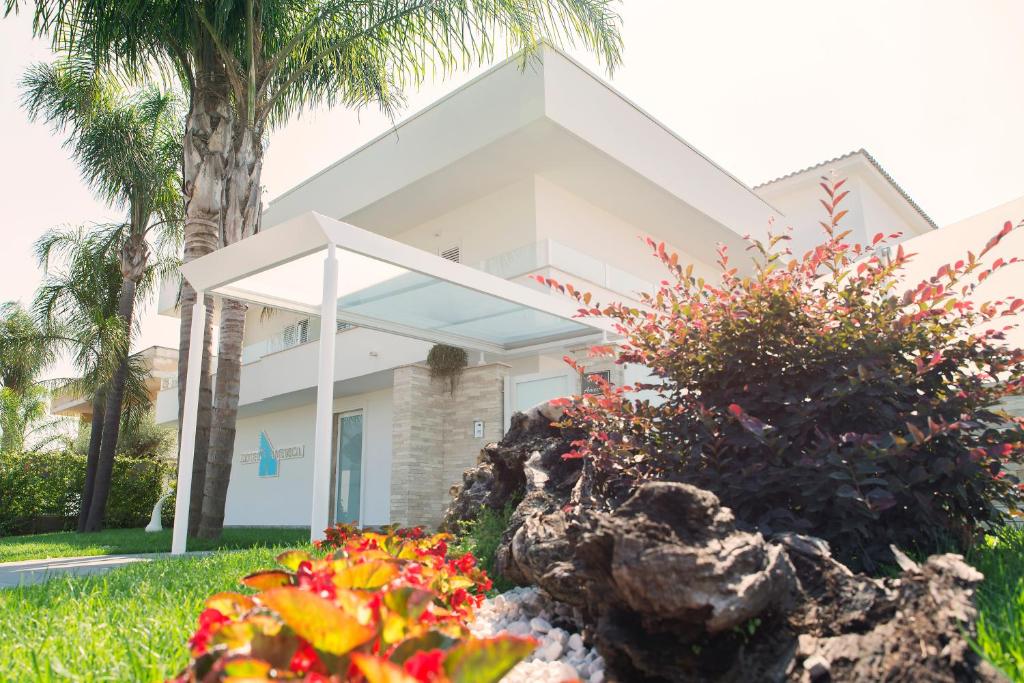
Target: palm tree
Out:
[128,146]
[77,308]
[251,64]
[24,354]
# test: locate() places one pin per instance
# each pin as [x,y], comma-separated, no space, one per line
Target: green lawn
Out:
[113,541]
[1000,600]
[130,624]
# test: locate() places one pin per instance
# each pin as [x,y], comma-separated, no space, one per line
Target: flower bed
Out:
[376,607]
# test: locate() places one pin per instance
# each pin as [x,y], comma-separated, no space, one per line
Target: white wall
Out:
[492,225]
[285,500]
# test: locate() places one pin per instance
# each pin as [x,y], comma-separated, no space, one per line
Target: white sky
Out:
[930,87]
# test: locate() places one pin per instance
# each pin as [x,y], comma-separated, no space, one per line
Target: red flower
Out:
[465,563]
[459,597]
[425,665]
[209,623]
[305,660]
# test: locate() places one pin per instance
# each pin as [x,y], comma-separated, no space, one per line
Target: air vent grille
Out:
[451,253]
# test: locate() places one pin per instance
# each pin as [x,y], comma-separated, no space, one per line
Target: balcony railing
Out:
[296,334]
[548,253]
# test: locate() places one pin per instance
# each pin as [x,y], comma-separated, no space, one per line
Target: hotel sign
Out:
[269,458]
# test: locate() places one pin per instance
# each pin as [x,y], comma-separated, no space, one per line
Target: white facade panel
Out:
[284,500]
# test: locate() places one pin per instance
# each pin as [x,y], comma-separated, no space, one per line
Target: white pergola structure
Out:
[319,266]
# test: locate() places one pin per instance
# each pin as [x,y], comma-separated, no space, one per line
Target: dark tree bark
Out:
[225,413]
[206,148]
[241,219]
[92,459]
[111,417]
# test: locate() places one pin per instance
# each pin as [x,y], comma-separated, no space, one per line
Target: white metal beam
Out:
[320,515]
[187,448]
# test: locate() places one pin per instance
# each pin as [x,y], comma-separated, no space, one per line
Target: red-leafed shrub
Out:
[821,394]
[380,608]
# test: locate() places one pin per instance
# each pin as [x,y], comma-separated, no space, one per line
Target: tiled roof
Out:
[874,162]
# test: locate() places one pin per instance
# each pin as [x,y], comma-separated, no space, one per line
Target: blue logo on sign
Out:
[268,461]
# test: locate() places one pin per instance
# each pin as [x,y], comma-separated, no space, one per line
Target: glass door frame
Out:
[337,464]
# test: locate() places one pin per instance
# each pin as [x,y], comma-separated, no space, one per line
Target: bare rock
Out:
[667,588]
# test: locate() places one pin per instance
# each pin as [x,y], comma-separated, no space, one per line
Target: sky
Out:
[930,87]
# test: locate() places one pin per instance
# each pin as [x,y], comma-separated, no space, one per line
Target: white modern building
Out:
[537,169]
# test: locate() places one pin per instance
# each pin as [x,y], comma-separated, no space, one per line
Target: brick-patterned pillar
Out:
[479,395]
[417,456]
[433,442]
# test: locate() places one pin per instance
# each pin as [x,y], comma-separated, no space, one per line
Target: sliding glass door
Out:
[350,468]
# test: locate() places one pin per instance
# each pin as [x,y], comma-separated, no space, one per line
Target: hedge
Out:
[38,486]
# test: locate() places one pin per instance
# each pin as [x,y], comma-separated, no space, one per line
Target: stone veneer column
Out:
[479,395]
[433,442]
[416,450]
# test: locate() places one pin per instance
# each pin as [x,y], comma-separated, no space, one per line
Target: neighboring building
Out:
[160,362]
[537,170]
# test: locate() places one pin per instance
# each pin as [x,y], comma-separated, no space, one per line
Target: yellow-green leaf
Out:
[291,559]
[271,578]
[230,604]
[377,670]
[249,667]
[318,620]
[366,575]
[486,660]
[407,601]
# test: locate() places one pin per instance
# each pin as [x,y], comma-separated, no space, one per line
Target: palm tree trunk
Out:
[241,219]
[206,148]
[92,459]
[112,415]
[225,413]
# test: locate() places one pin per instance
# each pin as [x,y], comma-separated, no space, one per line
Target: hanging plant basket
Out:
[447,363]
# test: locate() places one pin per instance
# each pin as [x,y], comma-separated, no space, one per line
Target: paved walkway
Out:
[36,571]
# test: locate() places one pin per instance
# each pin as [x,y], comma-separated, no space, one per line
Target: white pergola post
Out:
[187,448]
[320,518]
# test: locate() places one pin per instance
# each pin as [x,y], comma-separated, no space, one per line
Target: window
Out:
[589,386]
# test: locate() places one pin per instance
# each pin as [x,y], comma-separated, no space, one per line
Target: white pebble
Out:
[560,655]
[519,628]
[539,625]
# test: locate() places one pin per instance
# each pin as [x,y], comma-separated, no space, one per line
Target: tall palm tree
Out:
[251,64]
[77,307]
[128,147]
[24,354]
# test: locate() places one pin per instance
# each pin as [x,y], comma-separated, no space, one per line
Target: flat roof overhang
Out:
[546,117]
[389,286]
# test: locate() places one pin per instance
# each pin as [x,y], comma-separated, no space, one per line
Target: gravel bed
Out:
[561,654]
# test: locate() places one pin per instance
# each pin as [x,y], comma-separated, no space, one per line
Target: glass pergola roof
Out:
[387,285]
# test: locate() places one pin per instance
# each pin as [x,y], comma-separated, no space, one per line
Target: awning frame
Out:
[309,234]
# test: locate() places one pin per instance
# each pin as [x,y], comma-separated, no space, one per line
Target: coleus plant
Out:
[824,393]
[380,607]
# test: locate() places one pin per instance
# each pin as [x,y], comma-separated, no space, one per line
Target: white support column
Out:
[320,517]
[187,448]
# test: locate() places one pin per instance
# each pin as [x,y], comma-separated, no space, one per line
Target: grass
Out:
[133,622]
[130,624]
[482,537]
[1000,600]
[116,541]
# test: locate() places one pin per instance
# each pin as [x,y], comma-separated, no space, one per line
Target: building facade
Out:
[534,168]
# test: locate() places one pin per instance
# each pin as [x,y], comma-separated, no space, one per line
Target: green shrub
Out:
[481,537]
[33,485]
[821,394]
